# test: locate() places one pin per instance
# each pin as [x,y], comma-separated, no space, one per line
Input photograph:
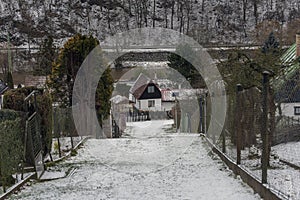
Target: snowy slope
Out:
[144,165]
[219,21]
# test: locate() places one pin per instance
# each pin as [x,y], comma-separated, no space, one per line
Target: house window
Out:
[151,89]
[297,110]
[151,103]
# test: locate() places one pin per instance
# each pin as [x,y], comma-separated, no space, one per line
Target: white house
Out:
[145,94]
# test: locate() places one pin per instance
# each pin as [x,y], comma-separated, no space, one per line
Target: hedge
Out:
[14,99]
[11,145]
[8,115]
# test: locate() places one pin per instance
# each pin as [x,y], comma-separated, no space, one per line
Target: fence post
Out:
[205,113]
[238,133]
[56,126]
[264,128]
[201,114]
[224,141]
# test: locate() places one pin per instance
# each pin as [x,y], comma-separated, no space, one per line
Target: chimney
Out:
[298,45]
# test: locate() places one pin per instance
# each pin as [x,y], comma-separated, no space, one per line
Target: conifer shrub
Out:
[11,145]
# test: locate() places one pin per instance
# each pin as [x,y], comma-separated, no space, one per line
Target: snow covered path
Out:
[148,163]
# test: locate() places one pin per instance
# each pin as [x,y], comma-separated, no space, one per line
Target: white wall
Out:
[167,106]
[288,109]
[144,105]
[131,97]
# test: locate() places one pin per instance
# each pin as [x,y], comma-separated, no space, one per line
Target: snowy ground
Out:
[148,163]
[289,152]
[281,177]
[65,146]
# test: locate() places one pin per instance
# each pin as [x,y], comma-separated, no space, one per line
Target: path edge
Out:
[264,190]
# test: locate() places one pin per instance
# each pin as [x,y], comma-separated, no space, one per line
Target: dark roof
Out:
[140,91]
[3,87]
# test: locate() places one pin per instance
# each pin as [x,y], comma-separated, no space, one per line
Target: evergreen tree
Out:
[46,57]
[103,95]
[65,69]
[271,45]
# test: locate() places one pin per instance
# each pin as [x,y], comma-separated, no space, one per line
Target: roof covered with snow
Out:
[118,99]
[142,80]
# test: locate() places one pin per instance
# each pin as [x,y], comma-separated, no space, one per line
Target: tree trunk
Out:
[188,26]
[181,28]
[188,10]
[108,20]
[244,10]
[172,15]
[255,11]
[129,7]
[145,12]
[166,17]
[154,14]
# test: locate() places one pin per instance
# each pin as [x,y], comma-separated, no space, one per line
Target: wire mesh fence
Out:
[258,134]
[65,136]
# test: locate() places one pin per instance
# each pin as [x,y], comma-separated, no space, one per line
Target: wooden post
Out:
[200,128]
[205,113]
[238,134]
[224,141]
[224,129]
[264,128]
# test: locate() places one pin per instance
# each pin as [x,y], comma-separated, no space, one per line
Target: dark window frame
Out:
[151,103]
[151,89]
[296,108]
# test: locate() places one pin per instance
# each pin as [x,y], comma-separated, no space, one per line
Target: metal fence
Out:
[252,130]
[65,136]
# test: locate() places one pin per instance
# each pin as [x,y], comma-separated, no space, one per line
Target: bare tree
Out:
[255,12]
[145,11]
[188,7]
[180,15]
[172,13]
[154,13]
[245,4]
